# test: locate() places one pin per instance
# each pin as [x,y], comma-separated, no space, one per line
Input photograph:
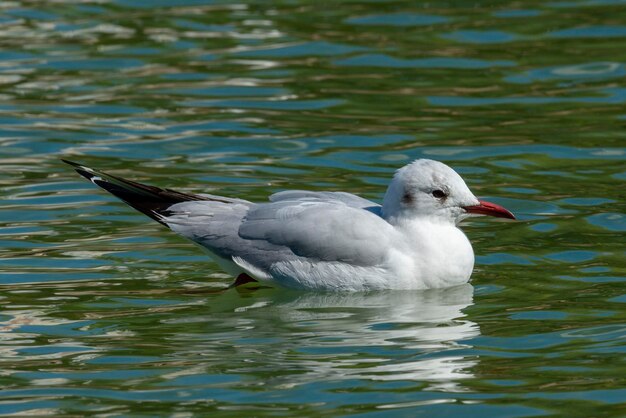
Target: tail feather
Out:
[149,200]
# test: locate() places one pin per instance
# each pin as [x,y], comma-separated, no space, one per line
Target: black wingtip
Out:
[71,163]
[150,200]
[82,170]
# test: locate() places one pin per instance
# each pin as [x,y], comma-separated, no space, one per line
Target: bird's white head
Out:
[428,188]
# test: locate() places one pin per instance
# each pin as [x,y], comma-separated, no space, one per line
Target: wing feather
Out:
[320,230]
[265,239]
[306,195]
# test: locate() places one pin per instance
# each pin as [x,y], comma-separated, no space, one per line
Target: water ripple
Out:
[105,313]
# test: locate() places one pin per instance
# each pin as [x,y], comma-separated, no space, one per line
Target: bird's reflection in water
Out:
[383,336]
[281,339]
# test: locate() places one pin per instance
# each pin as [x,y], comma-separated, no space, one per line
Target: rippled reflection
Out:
[424,329]
[107,314]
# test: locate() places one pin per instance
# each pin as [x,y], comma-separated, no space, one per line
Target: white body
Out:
[339,241]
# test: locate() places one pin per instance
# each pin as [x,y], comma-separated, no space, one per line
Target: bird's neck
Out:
[406,219]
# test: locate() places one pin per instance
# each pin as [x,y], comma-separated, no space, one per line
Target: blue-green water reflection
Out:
[106,313]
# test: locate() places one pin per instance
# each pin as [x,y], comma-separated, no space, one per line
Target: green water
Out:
[106,313]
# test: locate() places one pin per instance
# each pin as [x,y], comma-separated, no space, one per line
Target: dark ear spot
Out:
[407,198]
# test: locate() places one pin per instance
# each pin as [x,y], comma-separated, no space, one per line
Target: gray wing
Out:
[258,236]
[215,226]
[313,230]
[320,230]
[305,195]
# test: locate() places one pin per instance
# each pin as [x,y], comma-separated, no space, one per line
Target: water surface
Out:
[107,313]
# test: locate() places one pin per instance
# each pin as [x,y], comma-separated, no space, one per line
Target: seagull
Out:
[326,241]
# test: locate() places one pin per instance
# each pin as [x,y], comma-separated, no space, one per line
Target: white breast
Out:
[433,255]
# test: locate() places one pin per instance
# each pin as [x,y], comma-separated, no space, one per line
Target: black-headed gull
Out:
[327,240]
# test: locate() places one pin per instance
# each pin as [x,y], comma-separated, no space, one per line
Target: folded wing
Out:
[297,233]
[320,230]
[260,237]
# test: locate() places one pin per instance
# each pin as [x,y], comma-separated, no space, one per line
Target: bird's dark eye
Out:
[439,194]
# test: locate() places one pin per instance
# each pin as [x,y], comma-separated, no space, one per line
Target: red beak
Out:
[491,209]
